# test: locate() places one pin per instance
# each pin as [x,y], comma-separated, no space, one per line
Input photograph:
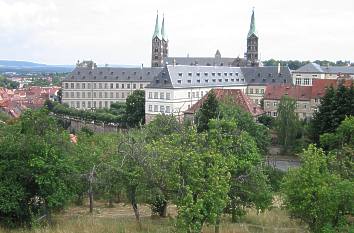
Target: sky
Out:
[120,31]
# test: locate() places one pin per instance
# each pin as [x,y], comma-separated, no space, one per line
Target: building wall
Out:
[174,101]
[304,108]
[87,95]
[305,79]
[256,93]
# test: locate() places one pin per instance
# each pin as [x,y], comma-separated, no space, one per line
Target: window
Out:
[275,114]
[150,108]
[83,104]
[72,85]
[100,85]
[180,74]
[94,95]
[193,94]
[156,95]
[233,80]
[298,81]
[106,104]
[78,104]
[72,94]
[100,95]
[66,94]
[236,74]
[117,85]
[111,85]
[306,81]
[156,108]
[197,94]
[198,74]
[305,106]
[251,91]
[117,95]
[100,104]
[66,86]
[141,86]
[111,95]
[225,74]
[202,93]
[134,86]
[168,96]
[83,95]
[89,86]
[189,95]
[267,103]
[123,95]
[262,91]
[190,74]
[275,104]
[220,80]
[214,80]
[89,104]
[205,74]
[219,74]
[77,94]
[179,81]
[150,95]
[206,80]
[168,109]
[122,85]
[226,80]
[162,95]
[106,86]
[162,109]
[77,85]
[198,80]
[105,95]
[257,91]
[94,85]
[128,85]
[213,74]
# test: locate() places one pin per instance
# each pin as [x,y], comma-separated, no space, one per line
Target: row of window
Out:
[91,104]
[275,114]
[179,81]
[198,74]
[161,108]
[161,95]
[103,86]
[196,94]
[304,106]
[256,91]
[305,81]
[95,94]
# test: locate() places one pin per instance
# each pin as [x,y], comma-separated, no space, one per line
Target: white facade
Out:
[305,79]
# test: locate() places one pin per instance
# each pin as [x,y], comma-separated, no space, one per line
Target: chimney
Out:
[279,68]
[142,65]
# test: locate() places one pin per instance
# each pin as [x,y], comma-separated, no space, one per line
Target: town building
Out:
[160,55]
[308,98]
[176,88]
[92,87]
[305,75]
[233,96]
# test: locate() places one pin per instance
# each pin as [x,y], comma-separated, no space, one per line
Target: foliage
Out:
[266,120]
[209,110]
[275,177]
[295,64]
[135,108]
[40,82]
[162,125]
[245,122]
[287,122]
[35,168]
[316,195]
[8,83]
[335,106]
[4,116]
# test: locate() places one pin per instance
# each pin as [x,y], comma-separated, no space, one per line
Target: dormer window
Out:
[219,74]
[105,77]
[269,75]
[112,73]
[189,74]
[148,73]
[189,81]
[273,80]
[101,73]
[205,74]
[252,80]
[236,74]
[206,80]
[220,80]
[128,77]
[180,74]
[141,77]
[226,80]
[179,81]
[230,74]
[90,72]
[134,73]
[83,77]
[198,74]
[117,77]
[123,73]
[213,74]
[78,72]
[259,75]
[225,74]
[198,81]
[157,81]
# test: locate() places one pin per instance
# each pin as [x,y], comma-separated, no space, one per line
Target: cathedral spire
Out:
[252,30]
[163,31]
[157,32]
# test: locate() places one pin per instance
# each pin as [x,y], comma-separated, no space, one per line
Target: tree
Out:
[36,169]
[266,120]
[135,108]
[316,195]
[287,122]
[209,110]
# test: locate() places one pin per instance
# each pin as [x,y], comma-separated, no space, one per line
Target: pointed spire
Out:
[252,30]
[157,32]
[163,31]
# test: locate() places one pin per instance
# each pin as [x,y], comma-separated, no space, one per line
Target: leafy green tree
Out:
[316,195]
[161,126]
[8,83]
[209,110]
[135,108]
[36,169]
[245,122]
[266,120]
[287,122]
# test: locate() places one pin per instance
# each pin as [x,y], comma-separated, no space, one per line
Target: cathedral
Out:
[159,56]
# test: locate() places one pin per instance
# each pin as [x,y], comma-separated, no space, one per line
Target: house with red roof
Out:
[235,96]
[308,98]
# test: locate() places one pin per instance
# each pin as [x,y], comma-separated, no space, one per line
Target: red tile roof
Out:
[237,96]
[275,92]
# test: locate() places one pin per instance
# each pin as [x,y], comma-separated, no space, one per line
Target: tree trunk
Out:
[234,217]
[163,212]
[217,225]
[110,202]
[132,197]
[48,214]
[91,201]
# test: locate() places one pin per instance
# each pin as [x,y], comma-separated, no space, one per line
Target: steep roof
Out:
[157,32]
[267,75]
[319,86]
[338,69]
[236,96]
[200,61]
[106,74]
[163,30]
[275,92]
[310,68]
[198,76]
[252,30]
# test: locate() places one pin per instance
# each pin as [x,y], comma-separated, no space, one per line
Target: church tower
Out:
[252,44]
[159,44]
[164,40]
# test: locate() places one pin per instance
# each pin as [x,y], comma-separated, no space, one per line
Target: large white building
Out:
[176,88]
[305,75]
[92,87]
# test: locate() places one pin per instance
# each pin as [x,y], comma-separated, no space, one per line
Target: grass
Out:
[121,220]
